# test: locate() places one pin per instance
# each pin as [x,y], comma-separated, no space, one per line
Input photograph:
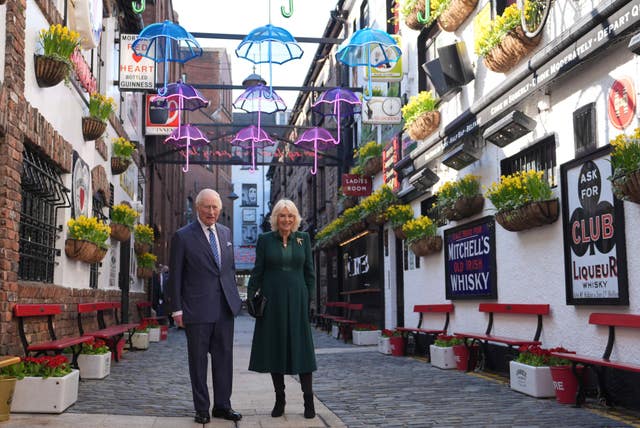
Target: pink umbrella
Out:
[253,137]
[186,136]
[316,138]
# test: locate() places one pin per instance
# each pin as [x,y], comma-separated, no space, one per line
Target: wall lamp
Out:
[463,154]
[424,179]
[508,129]
[404,167]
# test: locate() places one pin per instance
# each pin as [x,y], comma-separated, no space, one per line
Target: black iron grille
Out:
[539,157]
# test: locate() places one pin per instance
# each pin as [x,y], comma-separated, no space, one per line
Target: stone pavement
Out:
[354,387]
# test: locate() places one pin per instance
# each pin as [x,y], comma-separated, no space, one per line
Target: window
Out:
[541,157]
[584,129]
[42,194]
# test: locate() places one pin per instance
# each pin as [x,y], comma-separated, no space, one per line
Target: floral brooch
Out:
[299,241]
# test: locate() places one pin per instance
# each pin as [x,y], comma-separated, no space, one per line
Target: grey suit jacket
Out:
[197,285]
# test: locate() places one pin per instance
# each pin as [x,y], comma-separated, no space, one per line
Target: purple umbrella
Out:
[315,138]
[186,136]
[329,103]
[187,97]
[253,137]
[259,99]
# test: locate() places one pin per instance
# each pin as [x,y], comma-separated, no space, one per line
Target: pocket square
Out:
[228,244]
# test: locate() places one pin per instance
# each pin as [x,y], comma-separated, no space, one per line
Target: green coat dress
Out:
[282,339]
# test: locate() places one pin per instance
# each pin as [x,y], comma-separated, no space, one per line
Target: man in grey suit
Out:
[204,299]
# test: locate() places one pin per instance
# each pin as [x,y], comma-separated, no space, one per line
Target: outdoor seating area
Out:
[113,334]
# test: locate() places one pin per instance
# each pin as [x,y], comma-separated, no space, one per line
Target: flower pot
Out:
[455,14]
[120,232]
[424,125]
[464,207]
[144,272]
[372,166]
[141,247]
[96,366]
[49,71]
[50,395]
[140,340]
[397,346]
[7,388]
[628,187]
[92,128]
[531,215]
[384,347]
[399,233]
[164,332]
[565,383]
[427,245]
[461,353]
[442,357]
[511,50]
[154,334]
[119,165]
[530,380]
[412,19]
[369,337]
[97,256]
[80,250]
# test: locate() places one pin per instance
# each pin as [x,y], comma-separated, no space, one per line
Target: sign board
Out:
[595,260]
[385,72]
[137,73]
[382,110]
[390,157]
[356,185]
[161,116]
[470,260]
[621,105]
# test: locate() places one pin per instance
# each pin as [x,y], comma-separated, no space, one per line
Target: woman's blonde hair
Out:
[291,207]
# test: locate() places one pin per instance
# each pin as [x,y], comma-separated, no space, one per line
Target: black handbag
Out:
[256,304]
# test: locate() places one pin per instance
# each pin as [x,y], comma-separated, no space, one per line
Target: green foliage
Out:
[45,366]
[420,227]
[146,260]
[89,229]
[424,102]
[100,106]
[493,34]
[399,214]
[123,148]
[534,355]
[518,189]
[451,191]
[59,42]
[379,201]
[625,156]
[124,214]
[143,234]
[445,341]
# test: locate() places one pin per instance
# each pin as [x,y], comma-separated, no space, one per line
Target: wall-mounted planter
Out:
[464,207]
[513,48]
[424,125]
[425,246]
[49,71]
[628,187]
[141,247]
[372,166]
[81,250]
[92,128]
[454,15]
[532,215]
[144,272]
[120,232]
[119,165]
[411,20]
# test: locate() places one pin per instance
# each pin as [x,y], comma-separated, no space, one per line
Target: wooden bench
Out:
[331,312]
[144,308]
[110,334]
[345,324]
[55,345]
[504,308]
[599,365]
[429,333]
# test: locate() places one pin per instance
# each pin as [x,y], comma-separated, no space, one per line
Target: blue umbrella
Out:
[166,42]
[269,44]
[370,48]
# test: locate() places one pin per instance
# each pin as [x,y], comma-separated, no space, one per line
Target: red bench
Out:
[430,333]
[112,334]
[144,308]
[345,324]
[55,345]
[331,310]
[504,308]
[599,364]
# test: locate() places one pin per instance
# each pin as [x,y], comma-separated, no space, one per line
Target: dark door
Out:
[124,278]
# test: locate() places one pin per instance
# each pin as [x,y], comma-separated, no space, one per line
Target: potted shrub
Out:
[122,219]
[421,236]
[523,200]
[398,215]
[441,351]
[420,116]
[625,163]
[530,373]
[503,43]
[86,239]
[146,264]
[461,198]
[384,346]
[54,64]
[375,205]
[122,151]
[45,384]
[140,337]
[94,360]
[370,158]
[100,108]
[365,334]
[144,237]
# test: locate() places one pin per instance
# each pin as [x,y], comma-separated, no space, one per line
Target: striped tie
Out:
[214,246]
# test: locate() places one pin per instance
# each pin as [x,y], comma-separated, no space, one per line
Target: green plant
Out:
[143,327]
[124,214]
[356,169]
[424,102]
[146,260]
[518,189]
[370,150]
[492,35]
[451,191]
[378,202]
[59,42]
[45,366]
[436,8]
[123,148]
[88,229]
[365,327]
[94,347]
[419,228]
[534,355]
[399,214]
[445,341]
[390,333]
[143,234]
[100,106]
[625,156]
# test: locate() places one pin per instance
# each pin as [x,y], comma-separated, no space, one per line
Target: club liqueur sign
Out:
[470,261]
[595,260]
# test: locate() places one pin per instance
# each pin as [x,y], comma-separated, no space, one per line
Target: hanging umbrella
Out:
[186,136]
[166,42]
[338,103]
[370,48]
[252,137]
[261,100]
[314,139]
[269,44]
[186,97]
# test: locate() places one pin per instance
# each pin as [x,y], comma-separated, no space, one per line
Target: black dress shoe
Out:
[202,418]
[228,414]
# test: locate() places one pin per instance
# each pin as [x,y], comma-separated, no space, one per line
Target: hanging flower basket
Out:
[120,232]
[399,233]
[412,19]
[80,250]
[49,71]
[372,166]
[97,256]
[427,245]
[376,220]
[119,165]
[454,15]
[349,202]
[141,247]
[464,207]
[628,186]
[144,272]
[92,128]
[424,125]
[533,214]
[511,50]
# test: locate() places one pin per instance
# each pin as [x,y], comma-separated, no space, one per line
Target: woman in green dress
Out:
[282,340]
